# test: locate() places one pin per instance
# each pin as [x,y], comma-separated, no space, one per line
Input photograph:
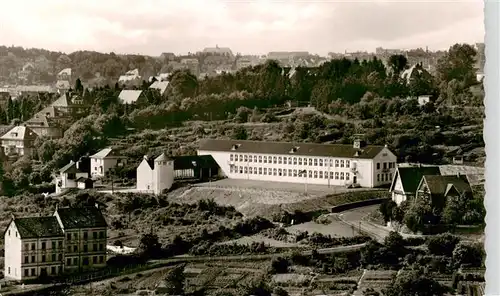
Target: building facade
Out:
[155,174]
[406,180]
[73,239]
[69,177]
[322,164]
[18,141]
[103,161]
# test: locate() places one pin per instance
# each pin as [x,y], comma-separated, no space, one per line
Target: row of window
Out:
[44,258]
[85,261]
[86,248]
[95,235]
[386,165]
[44,245]
[289,173]
[289,160]
[384,177]
[53,271]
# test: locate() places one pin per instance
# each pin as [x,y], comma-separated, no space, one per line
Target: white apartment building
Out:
[71,240]
[323,164]
[103,161]
[33,247]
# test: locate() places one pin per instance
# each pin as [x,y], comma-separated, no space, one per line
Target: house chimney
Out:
[57,207]
[145,157]
[12,216]
[96,205]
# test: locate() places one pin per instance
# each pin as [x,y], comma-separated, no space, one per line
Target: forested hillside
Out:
[349,97]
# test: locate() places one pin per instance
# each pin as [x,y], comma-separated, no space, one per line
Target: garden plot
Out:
[376,279]
[248,240]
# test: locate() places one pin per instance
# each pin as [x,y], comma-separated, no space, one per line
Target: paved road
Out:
[355,217]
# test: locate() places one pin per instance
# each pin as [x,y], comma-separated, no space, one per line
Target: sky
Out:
[248,27]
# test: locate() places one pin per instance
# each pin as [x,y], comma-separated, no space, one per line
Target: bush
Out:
[279,265]
[442,244]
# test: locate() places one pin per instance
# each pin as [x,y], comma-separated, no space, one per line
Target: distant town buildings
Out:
[129,76]
[129,96]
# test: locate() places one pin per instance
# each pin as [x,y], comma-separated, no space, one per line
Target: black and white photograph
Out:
[244,148]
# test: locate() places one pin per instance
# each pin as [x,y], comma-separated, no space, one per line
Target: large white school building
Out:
[324,164]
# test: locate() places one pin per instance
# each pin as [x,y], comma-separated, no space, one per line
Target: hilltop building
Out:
[324,164]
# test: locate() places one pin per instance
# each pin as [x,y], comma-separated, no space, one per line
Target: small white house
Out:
[155,174]
[70,176]
[104,160]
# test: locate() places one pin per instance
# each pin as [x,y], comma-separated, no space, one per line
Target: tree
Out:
[239,133]
[150,245]
[278,291]
[79,86]
[419,213]
[458,63]
[279,265]
[174,280]
[398,63]
[414,283]
[442,244]
[454,210]
[386,209]
[467,253]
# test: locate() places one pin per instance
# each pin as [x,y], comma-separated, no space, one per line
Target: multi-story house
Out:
[44,126]
[406,180]
[71,240]
[34,247]
[18,141]
[103,161]
[70,176]
[64,74]
[325,164]
[85,237]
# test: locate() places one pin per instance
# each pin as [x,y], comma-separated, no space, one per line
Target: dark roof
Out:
[33,227]
[299,149]
[152,157]
[70,168]
[81,217]
[83,179]
[411,176]
[194,161]
[439,184]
